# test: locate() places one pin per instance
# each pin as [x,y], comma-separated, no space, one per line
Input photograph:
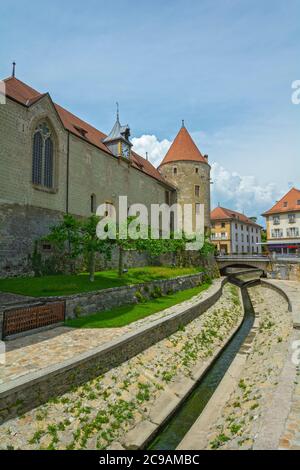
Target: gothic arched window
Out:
[43,156]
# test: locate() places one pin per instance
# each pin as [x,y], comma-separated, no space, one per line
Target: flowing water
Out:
[184,417]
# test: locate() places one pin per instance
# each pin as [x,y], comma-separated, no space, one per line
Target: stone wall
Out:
[25,393]
[92,302]
[20,226]
[285,271]
[185,180]
[85,304]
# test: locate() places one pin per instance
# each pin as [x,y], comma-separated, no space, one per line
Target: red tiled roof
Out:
[290,202]
[221,213]
[24,94]
[183,149]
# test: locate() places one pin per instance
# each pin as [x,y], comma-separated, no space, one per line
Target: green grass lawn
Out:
[66,285]
[121,316]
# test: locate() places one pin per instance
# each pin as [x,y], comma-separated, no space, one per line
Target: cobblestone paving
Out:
[241,419]
[105,409]
[26,355]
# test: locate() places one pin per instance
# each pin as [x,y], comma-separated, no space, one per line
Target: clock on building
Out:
[125,150]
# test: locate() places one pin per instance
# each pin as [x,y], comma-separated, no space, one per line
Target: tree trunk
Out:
[120,261]
[92,263]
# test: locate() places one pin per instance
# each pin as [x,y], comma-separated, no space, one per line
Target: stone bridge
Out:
[275,266]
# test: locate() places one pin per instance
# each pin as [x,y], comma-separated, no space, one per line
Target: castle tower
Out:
[188,170]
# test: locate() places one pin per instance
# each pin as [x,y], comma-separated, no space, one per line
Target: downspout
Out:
[68,173]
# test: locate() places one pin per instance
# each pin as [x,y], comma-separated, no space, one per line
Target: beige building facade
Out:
[234,233]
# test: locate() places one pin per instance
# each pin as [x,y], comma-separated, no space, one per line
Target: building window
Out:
[93,204]
[167,197]
[175,170]
[46,246]
[43,156]
[197,170]
[285,204]
[223,224]
[277,233]
[292,232]
[298,202]
[213,225]
[37,158]
[197,191]
[292,218]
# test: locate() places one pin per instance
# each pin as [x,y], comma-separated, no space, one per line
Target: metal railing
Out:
[259,256]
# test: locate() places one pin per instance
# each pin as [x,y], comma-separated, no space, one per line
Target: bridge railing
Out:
[243,256]
[259,256]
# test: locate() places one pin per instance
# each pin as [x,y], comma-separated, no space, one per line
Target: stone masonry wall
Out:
[185,181]
[92,302]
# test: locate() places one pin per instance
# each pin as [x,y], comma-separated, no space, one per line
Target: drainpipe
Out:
[68,172]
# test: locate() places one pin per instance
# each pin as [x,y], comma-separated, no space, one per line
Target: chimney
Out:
[206,156]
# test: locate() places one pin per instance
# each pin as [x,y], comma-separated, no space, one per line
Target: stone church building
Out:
[52,163]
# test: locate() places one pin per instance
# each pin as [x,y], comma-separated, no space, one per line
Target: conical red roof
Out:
[183,149]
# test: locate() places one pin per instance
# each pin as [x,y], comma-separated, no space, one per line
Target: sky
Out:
[225,67]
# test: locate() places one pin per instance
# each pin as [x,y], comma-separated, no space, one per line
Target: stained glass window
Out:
[37,158]
[48,166]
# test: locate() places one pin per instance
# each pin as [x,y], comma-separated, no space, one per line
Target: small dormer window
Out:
[285,204]
[81,131]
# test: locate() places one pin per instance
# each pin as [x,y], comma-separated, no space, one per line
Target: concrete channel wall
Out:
[32,390]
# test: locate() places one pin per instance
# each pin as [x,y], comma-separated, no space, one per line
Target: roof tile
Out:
[183,149]
[290,202]
[221,213]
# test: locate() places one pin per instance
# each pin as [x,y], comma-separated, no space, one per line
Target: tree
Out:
[73,238]
[207,249]
[66,238]
[91,244]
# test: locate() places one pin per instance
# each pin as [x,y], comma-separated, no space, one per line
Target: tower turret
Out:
[118,140]
[185,167]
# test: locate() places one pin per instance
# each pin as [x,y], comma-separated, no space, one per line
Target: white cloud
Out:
[242,193]
[149,143]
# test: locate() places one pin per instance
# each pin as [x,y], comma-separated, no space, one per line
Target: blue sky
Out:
[226,67]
